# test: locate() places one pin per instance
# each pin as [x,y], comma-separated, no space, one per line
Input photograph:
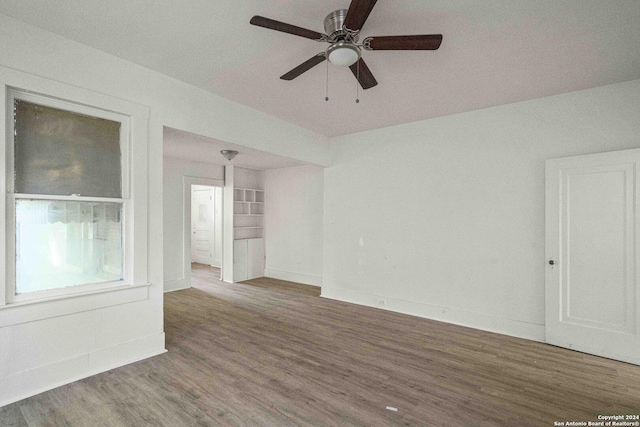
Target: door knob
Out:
[552,262]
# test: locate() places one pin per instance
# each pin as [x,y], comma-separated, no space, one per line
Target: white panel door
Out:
[202,226]
[592,295]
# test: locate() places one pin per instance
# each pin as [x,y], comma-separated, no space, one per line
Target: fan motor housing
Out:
[333,22]
[334,27]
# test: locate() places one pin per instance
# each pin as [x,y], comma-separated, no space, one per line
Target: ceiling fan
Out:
[342,29]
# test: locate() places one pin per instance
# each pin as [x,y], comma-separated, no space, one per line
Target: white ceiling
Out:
[494,52]
[195,148]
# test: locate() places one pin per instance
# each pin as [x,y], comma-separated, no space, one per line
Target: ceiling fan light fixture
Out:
[343,27]
[343,54]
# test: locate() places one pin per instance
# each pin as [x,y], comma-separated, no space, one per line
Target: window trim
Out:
[134,183]
[11,292]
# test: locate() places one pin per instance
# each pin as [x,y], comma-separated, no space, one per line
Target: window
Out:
[68,207]
[62,244]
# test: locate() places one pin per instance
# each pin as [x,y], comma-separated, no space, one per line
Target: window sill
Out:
[46,308]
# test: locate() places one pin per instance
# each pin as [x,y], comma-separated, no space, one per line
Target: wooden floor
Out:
[272,353]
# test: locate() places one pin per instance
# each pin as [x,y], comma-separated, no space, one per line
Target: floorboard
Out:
[272,353]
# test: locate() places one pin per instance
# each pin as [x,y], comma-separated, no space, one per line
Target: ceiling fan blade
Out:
[358,13]
[416,42]
[304,67]
[272,24]
[364,75]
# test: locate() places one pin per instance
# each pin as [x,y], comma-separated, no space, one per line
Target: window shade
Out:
[59,152]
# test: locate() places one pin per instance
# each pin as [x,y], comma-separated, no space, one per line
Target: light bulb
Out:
[343,54]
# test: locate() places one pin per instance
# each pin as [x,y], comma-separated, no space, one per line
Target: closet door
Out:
[592,295]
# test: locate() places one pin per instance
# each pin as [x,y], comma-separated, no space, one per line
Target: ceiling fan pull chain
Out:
[326,96]
[357,82]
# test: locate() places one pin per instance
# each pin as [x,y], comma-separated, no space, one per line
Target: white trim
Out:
[12,78]
[63,103]
[289,276]
[72,198]
[134,129]
[55,293]
[4,185]
[227,224]
[127,255]
[33,310]
[38,380]
[187,182]
[485,322]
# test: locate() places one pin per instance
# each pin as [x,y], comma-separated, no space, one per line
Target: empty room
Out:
[336,213]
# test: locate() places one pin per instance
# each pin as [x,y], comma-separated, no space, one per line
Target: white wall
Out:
[38,355]
[176,256]
[450,227]
[174,104]
[444,218]
[293,224]
[249,178]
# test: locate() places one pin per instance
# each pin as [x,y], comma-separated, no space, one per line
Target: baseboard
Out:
[176,289]
[176,285]
[306,279]
[34,381]
[515,328]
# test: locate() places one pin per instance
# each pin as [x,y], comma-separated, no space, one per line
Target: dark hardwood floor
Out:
[272,353]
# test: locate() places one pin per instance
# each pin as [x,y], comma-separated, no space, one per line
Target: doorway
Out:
[203,225]
[206,225]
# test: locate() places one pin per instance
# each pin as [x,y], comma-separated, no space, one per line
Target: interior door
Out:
[202,226]
[592,295]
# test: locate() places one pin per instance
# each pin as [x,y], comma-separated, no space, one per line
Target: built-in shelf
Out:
[241,233]
[248,210]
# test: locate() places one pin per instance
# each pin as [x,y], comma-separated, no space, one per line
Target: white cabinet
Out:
[248,233]
[248,259]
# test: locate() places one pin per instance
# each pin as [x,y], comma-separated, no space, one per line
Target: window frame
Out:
[134,119]
[12,197]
